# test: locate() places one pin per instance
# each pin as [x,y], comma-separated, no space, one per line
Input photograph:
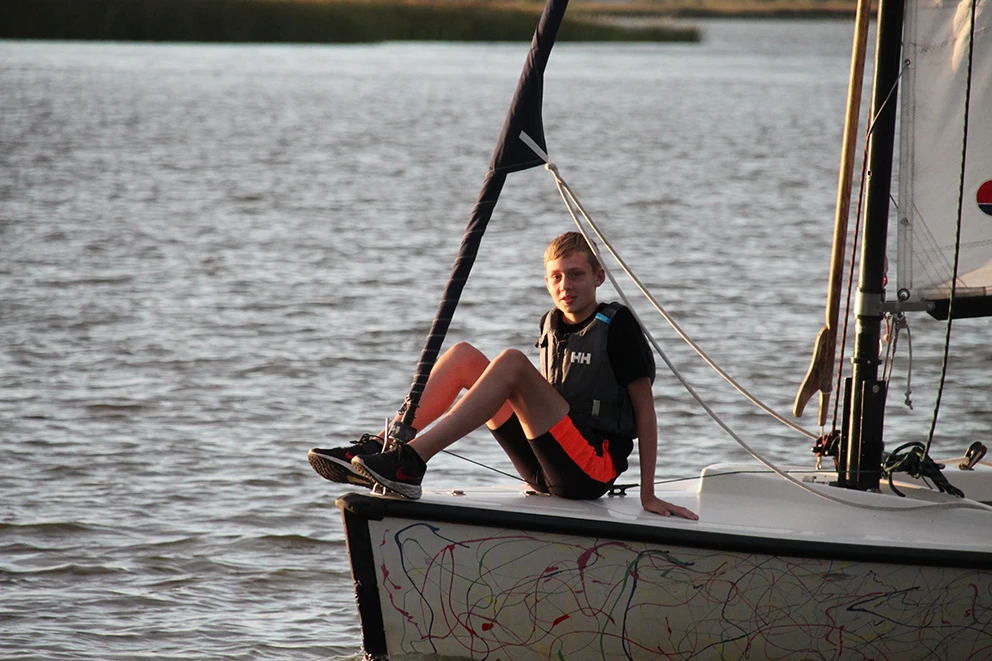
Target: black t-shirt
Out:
[627,348]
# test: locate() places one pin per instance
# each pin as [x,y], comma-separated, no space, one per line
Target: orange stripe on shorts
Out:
[578,449]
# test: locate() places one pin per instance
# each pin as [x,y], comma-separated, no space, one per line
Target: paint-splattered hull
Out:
[442,580]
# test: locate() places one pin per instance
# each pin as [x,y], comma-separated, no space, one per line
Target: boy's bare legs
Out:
[509,384]
[457,369]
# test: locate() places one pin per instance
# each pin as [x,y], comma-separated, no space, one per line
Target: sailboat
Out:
[858,562]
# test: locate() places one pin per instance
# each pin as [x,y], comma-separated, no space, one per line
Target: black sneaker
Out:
[400,469]
[335,464]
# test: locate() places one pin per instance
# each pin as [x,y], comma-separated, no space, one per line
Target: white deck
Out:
[749,500]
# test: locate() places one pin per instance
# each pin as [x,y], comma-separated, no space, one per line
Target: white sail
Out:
[939,57]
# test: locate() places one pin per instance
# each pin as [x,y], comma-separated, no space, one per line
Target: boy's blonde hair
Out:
[567,244]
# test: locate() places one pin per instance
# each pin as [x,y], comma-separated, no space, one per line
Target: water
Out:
[215,257]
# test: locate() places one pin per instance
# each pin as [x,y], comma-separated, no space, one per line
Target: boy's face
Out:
[572,284]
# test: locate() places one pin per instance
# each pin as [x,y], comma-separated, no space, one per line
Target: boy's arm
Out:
[647,448]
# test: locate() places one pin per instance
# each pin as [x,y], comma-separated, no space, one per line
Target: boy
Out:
[568,429]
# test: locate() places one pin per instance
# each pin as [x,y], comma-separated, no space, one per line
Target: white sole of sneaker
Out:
[411,491]
[335,470]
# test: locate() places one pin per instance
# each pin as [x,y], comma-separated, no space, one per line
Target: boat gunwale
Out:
[377,508]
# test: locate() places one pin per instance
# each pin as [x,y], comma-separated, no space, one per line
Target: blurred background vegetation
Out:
[344,21]
[313,21]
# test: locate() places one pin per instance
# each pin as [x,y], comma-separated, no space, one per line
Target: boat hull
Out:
[442,582]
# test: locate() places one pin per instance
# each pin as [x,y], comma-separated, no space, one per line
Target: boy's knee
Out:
[467,360]
[465,351]
[514,356]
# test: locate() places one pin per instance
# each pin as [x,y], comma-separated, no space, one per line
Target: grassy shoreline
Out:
[658,9]
[363,21]
[304,21]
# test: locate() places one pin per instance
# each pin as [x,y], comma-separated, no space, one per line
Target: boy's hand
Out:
[659,506]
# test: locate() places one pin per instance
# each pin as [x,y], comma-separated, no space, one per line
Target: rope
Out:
[957,236]
[573,205]
[482,465]
[899,324]
[857,234]
[912,458]
[565,190]
[850,289]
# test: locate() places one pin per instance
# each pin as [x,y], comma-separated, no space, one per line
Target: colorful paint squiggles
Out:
[462,592]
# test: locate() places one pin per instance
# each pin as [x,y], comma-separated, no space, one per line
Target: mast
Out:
[511,154]
[860,459]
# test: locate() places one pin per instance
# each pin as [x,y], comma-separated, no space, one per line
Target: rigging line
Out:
[957,236]
[482,465]
[567,195]
[850,283]
[892,345]
[389,440]
[857,233]
[667,317]
[909,367]
[898,324]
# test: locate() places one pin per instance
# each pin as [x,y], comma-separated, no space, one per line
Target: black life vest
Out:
[578,366]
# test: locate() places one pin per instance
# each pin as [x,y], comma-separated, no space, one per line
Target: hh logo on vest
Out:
[581,358]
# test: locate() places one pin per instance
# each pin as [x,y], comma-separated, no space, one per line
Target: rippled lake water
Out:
[215,257]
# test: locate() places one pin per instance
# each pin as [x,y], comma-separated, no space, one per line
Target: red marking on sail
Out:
[984,197]
[559,620]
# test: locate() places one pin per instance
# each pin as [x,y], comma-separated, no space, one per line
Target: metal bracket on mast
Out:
[875,305]
[895,307]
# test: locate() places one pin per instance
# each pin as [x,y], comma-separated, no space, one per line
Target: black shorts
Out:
[562,461]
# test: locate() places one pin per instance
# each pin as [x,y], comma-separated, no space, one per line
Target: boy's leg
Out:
[457,369]
[510,378]
[510,436]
